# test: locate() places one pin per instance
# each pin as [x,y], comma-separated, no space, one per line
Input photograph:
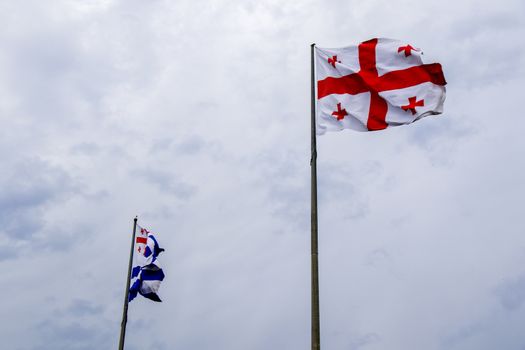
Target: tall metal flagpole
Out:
[316,338]
[128,280]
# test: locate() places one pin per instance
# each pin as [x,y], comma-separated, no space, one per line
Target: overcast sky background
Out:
[194,115]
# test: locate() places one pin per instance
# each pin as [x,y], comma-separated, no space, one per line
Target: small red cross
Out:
[408,50]
[340,113]
[412,104]
[333,60]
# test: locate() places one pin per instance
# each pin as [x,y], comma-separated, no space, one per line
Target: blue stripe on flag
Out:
[152,275]
[156,247]
[135,271]
[134,290]
[147,253]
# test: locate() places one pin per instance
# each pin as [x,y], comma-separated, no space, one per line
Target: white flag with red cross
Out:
[377,84]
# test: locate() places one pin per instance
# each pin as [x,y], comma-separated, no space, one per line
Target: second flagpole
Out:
[316,334]
[126,294]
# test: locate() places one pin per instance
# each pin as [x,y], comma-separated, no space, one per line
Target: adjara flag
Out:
[375,85]
[146,275]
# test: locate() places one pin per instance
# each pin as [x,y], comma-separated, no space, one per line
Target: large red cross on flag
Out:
[378,83]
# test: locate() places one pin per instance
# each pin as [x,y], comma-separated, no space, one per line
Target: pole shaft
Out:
[128,281]
[316,338]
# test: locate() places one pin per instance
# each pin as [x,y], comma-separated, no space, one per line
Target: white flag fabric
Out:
[146,274]
[374,85]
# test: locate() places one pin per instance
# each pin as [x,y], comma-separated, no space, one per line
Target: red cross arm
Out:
[367,56]
[427,73]
[354,84]
[351,84]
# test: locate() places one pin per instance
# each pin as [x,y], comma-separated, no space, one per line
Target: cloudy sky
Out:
[194,115]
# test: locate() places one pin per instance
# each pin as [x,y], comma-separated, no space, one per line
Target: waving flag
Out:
[374,85]
[146,274]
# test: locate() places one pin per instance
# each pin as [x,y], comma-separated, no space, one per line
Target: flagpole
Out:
[126,295]
[316,337]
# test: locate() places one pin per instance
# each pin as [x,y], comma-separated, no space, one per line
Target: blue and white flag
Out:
[146,274]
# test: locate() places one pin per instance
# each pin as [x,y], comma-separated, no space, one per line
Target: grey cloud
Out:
[73,335]
[81,307]
[136,328]
[378,257]
[449,131]
[80,325]
[167,182]
[485,52]
[462,335]
[56,239]
[161,145]
[31,185]
[283,177]
[339,185]
[511,293]
[363,341]
[51,80]
[191,145]
[86,148]
[441,138]
[8,252]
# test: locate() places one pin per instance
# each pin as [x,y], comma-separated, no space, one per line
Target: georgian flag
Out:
[146,274]
[374,85]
